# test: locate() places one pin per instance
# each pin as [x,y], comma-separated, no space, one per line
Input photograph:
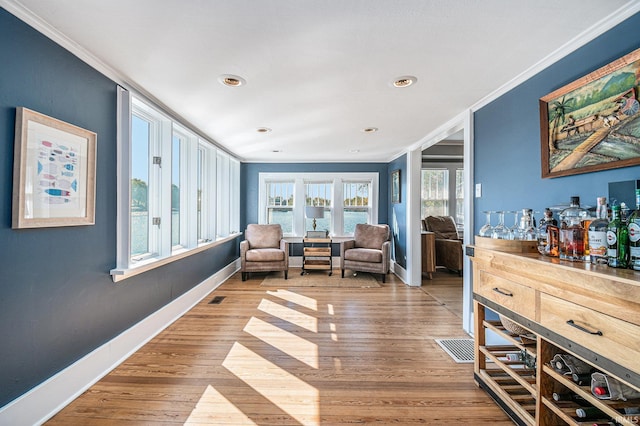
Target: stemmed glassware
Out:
[485,230]
[512,231]
[500,231]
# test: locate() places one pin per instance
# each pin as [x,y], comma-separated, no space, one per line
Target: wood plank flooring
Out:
[298,356]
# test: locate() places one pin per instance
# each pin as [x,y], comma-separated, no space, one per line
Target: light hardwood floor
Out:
[299,356]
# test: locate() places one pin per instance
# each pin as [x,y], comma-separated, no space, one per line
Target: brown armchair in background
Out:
[368,251]
[264,250]
[448,243]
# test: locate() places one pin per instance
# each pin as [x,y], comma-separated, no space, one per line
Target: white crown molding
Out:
[571,46]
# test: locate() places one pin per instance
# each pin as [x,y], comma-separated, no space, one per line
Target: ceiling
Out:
[317,72]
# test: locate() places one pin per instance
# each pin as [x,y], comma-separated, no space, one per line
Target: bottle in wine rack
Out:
[581,379]
[570,396]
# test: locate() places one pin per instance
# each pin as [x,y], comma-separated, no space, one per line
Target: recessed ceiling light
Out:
[370,129]
[263,130]
[276,150]
[231,80]
[404,81]
[354,151]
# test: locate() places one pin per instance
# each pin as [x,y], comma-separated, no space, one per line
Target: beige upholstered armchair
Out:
[448,243]
[264,250]
[368,251]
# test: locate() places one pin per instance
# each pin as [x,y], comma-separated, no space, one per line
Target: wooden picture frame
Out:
[395,186]
[53,172]
[593,123]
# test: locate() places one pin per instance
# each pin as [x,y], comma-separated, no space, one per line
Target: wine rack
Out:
[541,300]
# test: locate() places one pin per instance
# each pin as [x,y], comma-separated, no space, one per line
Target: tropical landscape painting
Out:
[593,123]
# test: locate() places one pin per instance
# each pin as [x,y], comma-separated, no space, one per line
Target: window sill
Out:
[120,274]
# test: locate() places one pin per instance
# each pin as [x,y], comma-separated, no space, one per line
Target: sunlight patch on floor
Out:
[210,406]
[291,315]
[292,345]
[292,395]
[298,299]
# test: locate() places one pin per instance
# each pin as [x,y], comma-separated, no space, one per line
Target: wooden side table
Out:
[316,255]
[428,253]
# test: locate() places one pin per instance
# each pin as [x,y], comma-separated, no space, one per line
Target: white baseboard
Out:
[45,400]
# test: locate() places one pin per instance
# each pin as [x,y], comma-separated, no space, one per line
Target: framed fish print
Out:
[53,172]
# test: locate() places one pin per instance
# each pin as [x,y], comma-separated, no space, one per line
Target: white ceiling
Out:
[317,71]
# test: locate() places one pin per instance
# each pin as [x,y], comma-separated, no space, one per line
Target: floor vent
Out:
[461,350]
[217,300]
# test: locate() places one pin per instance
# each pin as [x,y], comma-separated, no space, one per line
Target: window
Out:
[459,196]
[169,184]
[356,205]
[348,198]
[280,204]
[435,194]
[442,192]
[319,194]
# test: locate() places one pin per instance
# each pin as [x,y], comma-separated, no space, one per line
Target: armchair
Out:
[264,250]
[368,251]
[448,243]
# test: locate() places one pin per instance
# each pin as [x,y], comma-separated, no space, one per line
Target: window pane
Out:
[199,214]
[356,205]
[175,190]
[352,217]
[282,216]
[435,194]
[140,131]
[460,196]
[319,194]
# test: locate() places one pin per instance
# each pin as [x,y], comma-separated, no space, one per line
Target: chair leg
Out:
[383,275]
[286,274]
[244,276]
[343,273]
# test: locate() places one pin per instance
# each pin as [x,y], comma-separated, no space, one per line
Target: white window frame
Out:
[451,169]
[161,250]
[338,179]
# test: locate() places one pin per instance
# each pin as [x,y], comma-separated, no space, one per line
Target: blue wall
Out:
[57,299]
[249,180]
[507,135]
[398,213]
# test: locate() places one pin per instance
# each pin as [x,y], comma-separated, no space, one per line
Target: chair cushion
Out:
[370,236]
[364,255]
[443,226]
[263,236]
[265,255]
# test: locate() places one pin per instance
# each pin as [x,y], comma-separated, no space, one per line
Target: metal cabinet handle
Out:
[581,328]
[504,293]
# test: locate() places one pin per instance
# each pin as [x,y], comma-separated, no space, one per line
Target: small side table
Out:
[428,253]
[316,255]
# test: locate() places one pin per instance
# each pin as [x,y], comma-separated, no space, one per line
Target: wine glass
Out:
[512,231]
[499,231]
[485,230]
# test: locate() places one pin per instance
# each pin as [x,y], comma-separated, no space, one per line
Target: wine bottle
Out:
[633,227]
[570,396]
[581,379]
[598,234]
[617,240]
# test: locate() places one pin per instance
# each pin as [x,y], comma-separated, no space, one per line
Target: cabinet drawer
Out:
[607,336]
[513,296]
[317,251]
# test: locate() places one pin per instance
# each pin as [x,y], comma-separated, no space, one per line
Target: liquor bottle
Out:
[633,225]
[598,234]
[572,232]
[544,246]
[617,240]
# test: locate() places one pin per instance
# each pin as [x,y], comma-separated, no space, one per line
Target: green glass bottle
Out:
[617,240]
[634,235]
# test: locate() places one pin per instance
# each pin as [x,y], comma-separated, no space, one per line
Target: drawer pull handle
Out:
[581,328]
[504,293]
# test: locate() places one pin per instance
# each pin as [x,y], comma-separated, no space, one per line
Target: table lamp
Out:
[314,212]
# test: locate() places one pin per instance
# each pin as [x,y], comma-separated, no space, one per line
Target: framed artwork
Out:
[53,172]
[395,186]
[593,123]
